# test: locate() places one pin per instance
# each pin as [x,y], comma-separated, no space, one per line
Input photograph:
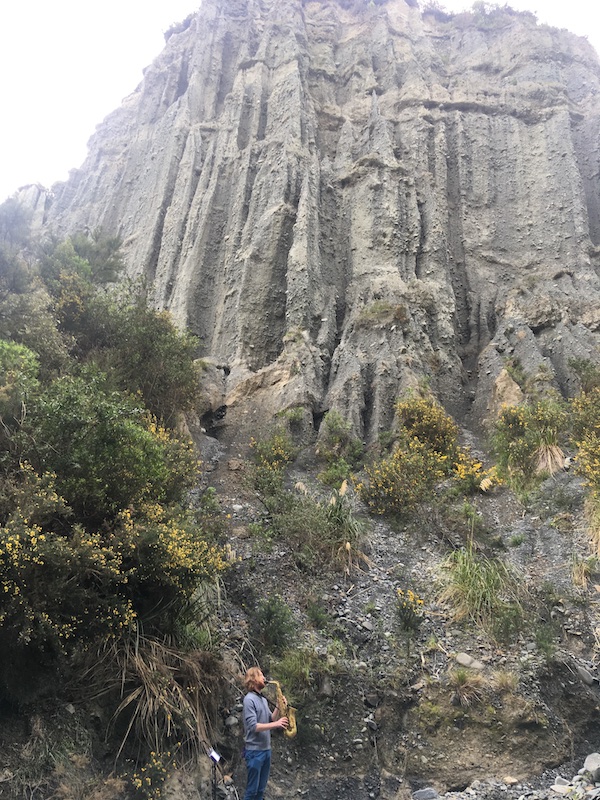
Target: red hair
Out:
[251,678]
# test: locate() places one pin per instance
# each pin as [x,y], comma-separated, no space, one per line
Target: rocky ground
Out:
[383,719]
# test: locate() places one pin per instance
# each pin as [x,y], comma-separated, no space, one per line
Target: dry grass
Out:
[505,680]
[164,694]
[468,687]
[549,459]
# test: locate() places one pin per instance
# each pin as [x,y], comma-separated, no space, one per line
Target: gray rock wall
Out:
[352,200]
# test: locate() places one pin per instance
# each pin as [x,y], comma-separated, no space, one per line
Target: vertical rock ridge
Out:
[353,200]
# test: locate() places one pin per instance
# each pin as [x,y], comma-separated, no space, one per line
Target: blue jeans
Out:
[258,763]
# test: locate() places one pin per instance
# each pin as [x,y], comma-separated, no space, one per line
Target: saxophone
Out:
[286,710]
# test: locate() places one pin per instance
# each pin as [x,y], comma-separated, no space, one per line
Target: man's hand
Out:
[282,722]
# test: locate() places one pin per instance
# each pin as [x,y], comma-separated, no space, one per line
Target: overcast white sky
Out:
[66,64]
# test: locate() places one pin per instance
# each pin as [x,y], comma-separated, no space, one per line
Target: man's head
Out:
[254,680]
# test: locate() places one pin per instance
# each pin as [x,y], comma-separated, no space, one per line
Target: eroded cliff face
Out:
[340,202]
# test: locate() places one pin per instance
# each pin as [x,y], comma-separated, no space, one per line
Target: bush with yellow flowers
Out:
[409,609]
[424,419]
[426,452]
[398,483]
[60,585]
[148,780]
[166,557]
[469,476]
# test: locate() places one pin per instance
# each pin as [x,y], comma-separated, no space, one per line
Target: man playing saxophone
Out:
[258,724]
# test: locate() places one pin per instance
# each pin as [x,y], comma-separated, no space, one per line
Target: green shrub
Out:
[337,441]
[527,440]
[19,369]
[273,625]
[299,670]
[105,450]
[150,356]
[335,473]
[481,589]
[271,456]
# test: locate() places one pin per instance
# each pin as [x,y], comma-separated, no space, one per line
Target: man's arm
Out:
[251,723]
[281,722]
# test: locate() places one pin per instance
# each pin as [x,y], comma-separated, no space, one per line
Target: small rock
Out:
[425,794]
[560,789]
[592,765]
[231,722]
[585,676]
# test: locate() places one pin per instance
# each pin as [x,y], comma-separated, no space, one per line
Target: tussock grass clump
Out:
[321,530]
[528,441]
[505,680]
[468,687]
[164,695]
[483,590]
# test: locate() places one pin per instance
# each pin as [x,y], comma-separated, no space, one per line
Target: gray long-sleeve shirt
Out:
[256,709]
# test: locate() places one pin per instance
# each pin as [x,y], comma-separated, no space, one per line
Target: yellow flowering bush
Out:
[148,781]
[166,557]
[397,484]
[57,586]
[422,418]
[409,609]
[469,476]
[63,586]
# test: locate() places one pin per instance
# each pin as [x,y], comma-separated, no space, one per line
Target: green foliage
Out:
[483,590]
[515,369]
[106,451]
[320,531]
[27,319]
[300,669]
[271,456]
[588,373]
[527,440]
[102,252]
[317,615]
[335,473]
[273,625]
[149,355]
[585,415]
[339,448]
[19,368]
